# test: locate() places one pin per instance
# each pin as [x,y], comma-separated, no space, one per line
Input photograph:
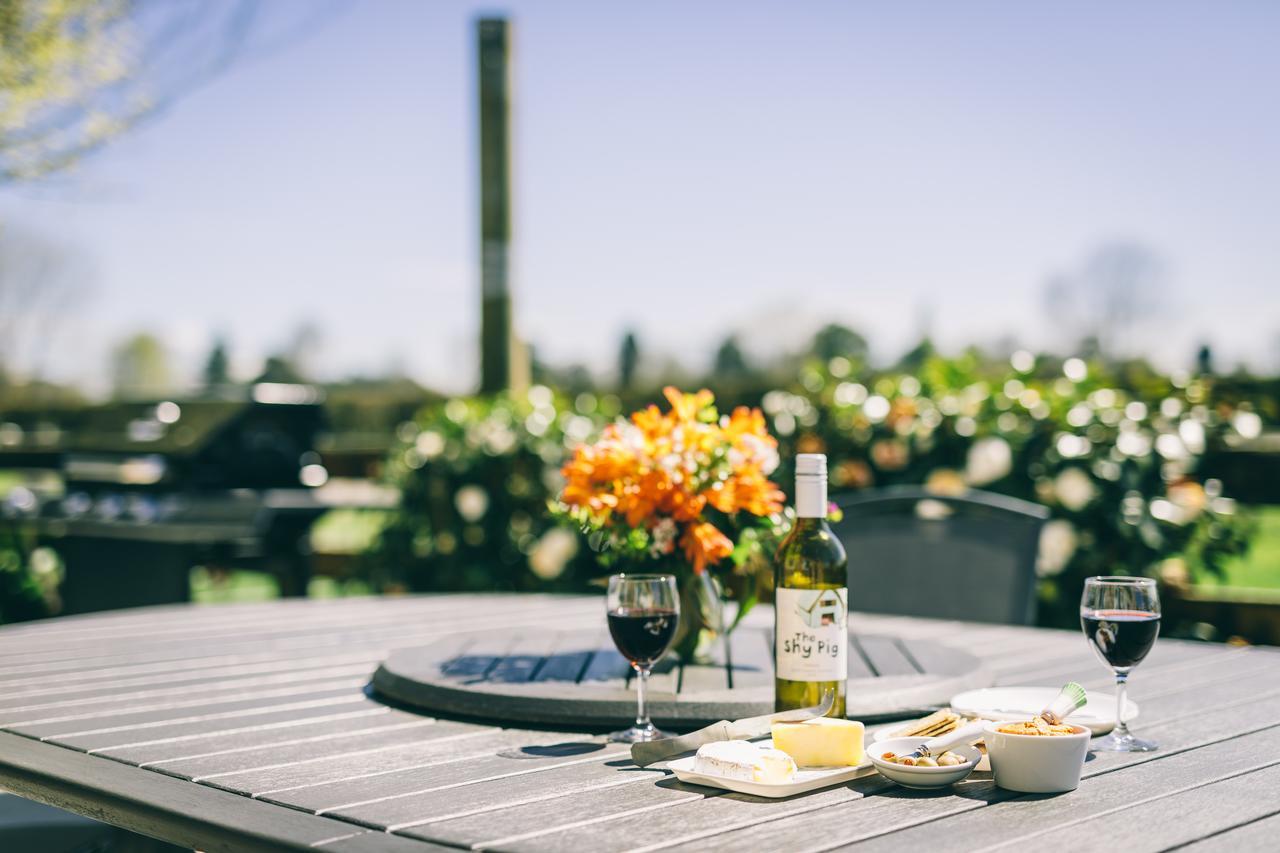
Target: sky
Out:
[688,170]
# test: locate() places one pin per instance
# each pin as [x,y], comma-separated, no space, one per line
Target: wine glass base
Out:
[637,734]
[1118,742]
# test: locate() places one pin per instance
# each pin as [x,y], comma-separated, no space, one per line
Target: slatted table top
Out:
[249,727]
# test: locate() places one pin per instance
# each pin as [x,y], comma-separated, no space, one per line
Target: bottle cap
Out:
[811,464]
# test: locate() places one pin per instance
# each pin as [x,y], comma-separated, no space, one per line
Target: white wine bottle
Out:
[811,632]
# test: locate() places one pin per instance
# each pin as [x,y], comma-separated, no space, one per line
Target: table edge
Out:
[154,804]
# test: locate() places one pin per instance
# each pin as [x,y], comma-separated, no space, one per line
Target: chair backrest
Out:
[970,556]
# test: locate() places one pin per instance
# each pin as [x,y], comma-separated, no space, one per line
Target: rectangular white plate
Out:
[806,779]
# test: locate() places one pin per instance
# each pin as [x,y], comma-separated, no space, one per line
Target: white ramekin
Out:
[1037,764]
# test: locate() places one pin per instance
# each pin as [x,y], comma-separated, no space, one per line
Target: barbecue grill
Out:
[149,490]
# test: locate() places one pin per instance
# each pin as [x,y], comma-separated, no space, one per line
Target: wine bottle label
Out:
[813,634]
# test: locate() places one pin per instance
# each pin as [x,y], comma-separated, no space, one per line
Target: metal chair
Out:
[970,556]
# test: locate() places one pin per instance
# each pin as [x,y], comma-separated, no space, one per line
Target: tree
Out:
[75,74]
[140,368]
[217,367]
[1204,360]
[628,361]
[730,362]
[279,368]
[834,340]
[914,358]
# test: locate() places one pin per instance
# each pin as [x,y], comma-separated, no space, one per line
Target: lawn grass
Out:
[232,586]
[1260,568]
[241,586]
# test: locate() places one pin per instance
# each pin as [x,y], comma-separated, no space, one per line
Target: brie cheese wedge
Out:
[741,759]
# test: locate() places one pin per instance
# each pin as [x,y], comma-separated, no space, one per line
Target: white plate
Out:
[806,778]
[1020,703]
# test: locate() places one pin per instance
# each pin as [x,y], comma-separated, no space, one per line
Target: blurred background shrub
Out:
[1117,456]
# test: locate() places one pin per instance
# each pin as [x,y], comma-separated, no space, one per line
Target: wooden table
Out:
[248,727]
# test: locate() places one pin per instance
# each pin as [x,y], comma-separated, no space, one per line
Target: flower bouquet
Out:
[685,491]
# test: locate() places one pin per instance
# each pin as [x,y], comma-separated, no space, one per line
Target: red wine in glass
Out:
[1120,617]
[1121,637]
[642,635]
[643,612]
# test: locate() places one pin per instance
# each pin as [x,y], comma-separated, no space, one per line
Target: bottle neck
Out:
[811,497]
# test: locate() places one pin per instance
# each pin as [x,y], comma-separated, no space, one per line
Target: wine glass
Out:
[643,613]
[1121,620]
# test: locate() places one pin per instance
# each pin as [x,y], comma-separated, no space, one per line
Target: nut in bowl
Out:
[1035,759]
[922,778]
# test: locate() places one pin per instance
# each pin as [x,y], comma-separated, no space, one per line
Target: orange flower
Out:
[704,543]
[687,407]
[671,466]
[756,494]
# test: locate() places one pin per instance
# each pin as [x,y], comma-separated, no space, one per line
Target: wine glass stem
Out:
[642,712]
[1122,678]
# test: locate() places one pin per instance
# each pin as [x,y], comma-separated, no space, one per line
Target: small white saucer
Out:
[924,778]
[1021,703]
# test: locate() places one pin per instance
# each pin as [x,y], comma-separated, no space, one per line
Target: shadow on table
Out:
[553,750]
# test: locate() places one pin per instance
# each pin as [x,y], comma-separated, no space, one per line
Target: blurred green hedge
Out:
[22,595]
[476,475]
[1115,458]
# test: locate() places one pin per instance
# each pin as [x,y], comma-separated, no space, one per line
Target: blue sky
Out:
[691,169]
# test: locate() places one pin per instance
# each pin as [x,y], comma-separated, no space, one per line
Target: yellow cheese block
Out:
[821,742]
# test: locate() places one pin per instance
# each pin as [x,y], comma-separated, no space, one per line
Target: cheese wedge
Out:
[742,759]
[821,742]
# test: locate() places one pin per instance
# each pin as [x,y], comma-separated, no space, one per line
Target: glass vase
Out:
[702,622]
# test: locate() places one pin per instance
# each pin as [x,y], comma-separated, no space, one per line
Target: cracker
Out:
[939,722]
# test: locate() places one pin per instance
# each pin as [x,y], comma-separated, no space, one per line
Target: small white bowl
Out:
[1037,764]
[922,778]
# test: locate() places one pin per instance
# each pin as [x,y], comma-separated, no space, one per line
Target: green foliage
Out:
[477,476]
[1115,457]
[21,595]
[1116,461]
[59,64]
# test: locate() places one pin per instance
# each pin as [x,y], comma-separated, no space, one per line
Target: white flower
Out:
[632,436]
[472,502]
[1130,442]
[876,408]
[1192,434]
[757,451]
[553,552]
[664,538]
[429,444]
[1074,489]
[989,459]
[1058,542]
[1248,424]
[500,440]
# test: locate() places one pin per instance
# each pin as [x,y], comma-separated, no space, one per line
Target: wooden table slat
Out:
[1254,835]
[498,783]
[450,742]
[364,716]
[174,732]
[885,655]
[220,703]
[278,751]
[378,786]
[752,664]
